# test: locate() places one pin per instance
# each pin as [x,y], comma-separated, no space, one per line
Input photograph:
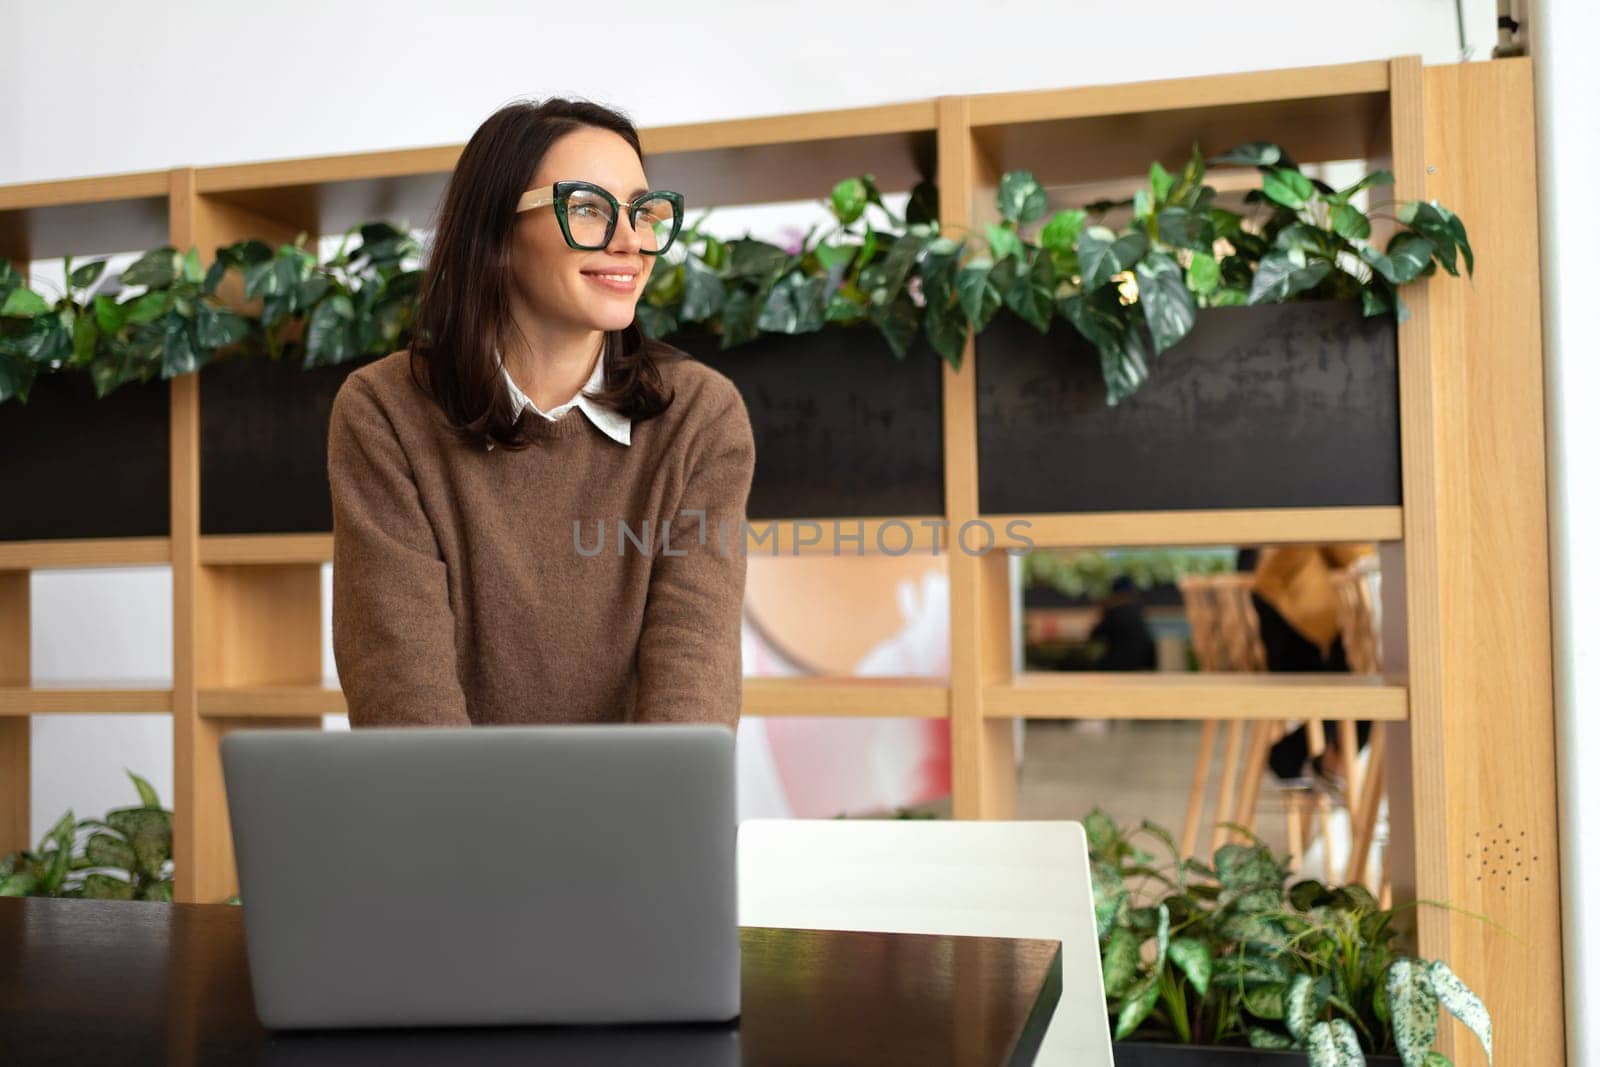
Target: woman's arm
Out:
[690,667]
[393,629]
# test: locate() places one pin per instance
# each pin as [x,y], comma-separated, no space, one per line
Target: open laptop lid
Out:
[486,875]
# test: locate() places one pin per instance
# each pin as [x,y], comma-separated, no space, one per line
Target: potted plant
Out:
[78,467]
[125,856]
[1280,388]
[1230,964]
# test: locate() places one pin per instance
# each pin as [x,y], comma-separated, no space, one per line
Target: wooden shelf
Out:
[59,700]
[266,548]
[1319,113]
[1127,529]
[852,697]
[84,216]
[796,696]
[1151,695]
[107,552]
[270,701]
[245,549]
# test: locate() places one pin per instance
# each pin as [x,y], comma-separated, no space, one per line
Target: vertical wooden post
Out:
[982,751]
[232,625]
[1475,774]
[16,780]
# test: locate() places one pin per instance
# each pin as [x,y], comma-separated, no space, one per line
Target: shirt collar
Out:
[616,426]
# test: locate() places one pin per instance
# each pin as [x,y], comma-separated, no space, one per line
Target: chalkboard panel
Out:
[1276,405]
[842,428]
[264,446]
[78,466]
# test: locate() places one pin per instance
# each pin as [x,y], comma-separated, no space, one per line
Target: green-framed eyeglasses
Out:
[588,215]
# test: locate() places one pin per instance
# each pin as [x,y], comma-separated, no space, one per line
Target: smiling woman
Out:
[460,591]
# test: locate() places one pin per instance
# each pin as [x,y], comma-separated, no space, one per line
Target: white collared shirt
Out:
[615,426]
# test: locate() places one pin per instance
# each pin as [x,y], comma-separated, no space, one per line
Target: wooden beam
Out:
[16,781]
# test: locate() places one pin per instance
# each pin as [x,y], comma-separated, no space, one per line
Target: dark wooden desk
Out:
[90,982]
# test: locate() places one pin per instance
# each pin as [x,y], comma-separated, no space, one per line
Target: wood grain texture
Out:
[1483,739]
[983,762]
[16,779]
[108,552]
[231,625]
[24,700]
[1183,695]
[1127,529]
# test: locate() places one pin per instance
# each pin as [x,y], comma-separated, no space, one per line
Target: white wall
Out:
[1567,84]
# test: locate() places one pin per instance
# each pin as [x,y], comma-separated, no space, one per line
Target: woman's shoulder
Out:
[386,384]
[699,390]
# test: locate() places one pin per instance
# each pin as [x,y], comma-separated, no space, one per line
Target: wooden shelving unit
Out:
[1472,721]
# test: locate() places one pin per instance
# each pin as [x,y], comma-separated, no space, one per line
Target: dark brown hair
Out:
[465,297]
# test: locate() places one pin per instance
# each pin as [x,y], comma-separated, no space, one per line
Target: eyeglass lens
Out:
[589,216]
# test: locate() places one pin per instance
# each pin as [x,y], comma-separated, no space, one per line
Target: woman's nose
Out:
[625,238]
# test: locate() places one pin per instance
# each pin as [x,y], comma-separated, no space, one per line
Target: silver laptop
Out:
[487,875]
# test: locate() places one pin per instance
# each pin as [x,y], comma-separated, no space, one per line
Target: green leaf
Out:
[149,832]
[1288,187]
[1003,241]
[1413,1010]
[1110,896]
[1265,1001]
[1306,998]
[104,887]
[218,327]
[979,296]
[830,256]
[1349,222]
[1204,274]
[1463,1003]
[923,204]
[1032,294]
[849,200]
[1102,255]
[109,315]
[192,271]
[898,324]
[1409,254]
[84,335]
[147,792]
[1119,961]
[1334,1044]
[23,304]
[1282,274]
[1137,1006]
[1377,177]
[148,308]
[180,352]
[157,268]
[104,850]
[85,276]
[1193,957]
[1436,1059]
[1062,230]
[329,338]
[703,291]
[1160,182]
[21,884]
[1260,1038]
[1021,197]
[1254,154]
[1182,228]
[1169,309]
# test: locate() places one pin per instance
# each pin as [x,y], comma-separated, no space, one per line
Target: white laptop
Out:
[487,875]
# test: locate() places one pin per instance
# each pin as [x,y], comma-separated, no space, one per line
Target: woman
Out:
[538,513]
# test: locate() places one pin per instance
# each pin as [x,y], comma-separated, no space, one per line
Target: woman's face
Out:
[560,284]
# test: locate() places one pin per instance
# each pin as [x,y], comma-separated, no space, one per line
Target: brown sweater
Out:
[462,593]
